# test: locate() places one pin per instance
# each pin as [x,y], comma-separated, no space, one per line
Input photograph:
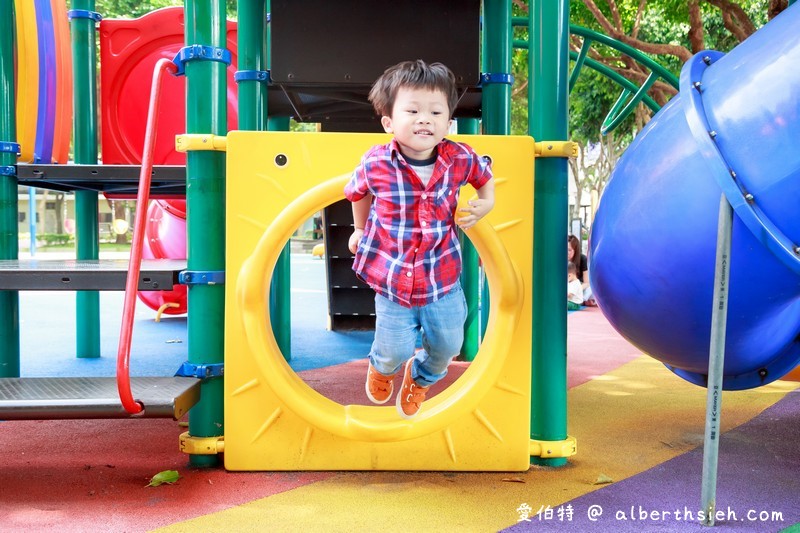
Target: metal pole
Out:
[548,58]
[470,272]
[9,231]
[32,220]
[87,233]
[716,362]
[206,112]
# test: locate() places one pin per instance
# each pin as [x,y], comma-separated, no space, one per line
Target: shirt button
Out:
[423,223]
[408,274]
[424,196]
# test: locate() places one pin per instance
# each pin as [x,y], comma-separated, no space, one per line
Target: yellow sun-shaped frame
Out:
[274,420]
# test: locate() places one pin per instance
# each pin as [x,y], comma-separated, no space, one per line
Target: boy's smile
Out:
[420,120]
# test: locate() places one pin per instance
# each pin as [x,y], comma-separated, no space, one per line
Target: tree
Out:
[669,31]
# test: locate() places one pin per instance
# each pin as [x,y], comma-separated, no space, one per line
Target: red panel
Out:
[129,50]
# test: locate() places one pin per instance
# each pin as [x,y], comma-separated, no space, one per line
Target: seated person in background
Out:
[574,289]
[575,256]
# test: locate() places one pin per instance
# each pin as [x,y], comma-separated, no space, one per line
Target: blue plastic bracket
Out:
[8,171]
[9,147]
[201,277]
[200,52]
[205,371]
[84,14]
[489,78]
[252,75]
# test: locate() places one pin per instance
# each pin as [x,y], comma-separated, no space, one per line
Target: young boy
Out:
[404,198]
[574,288]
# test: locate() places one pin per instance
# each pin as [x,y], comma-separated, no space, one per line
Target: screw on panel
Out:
[712,134]
[749,197]
[797,250]
[697,85]
[707,60]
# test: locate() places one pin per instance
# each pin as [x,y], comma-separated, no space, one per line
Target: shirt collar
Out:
[442,150]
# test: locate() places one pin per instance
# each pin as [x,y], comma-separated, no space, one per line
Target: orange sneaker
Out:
[379,387]
[411,395]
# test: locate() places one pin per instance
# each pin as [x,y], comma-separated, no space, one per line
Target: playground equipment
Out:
[274,421]
[44,81]
[127,68]
[335,101]
[733,129]
[165,238]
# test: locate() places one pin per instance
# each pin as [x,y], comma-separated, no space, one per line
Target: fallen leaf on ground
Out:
[167,476]
[602,479]
[513,480]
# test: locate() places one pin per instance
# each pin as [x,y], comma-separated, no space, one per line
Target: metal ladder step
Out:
[79,398]
[86,275]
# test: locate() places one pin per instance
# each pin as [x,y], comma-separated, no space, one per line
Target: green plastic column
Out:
[84,139]
[280,300]
[496,109]
[470,273]
[206,112]
[280,295]
[547,100]
[9,233]
[252,55]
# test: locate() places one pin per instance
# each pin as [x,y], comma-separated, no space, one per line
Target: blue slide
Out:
[733,129]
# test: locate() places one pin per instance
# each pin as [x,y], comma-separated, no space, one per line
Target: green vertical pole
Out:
[84,138]
[9,232]
[206,113]
[280,296]
[252,55]
[280,300]
[496,107]
[547,100]
[470,273]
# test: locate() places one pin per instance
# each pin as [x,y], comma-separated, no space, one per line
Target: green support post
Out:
[252,56]
[496,109]
[280,300]
[84,139]
[280,296]
[547,100]
[9,233]
[206,113]
[470,273]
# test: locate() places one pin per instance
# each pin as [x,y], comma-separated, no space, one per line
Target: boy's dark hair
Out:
[571,268]
[416,74]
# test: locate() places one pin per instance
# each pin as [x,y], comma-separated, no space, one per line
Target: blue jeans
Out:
[396,328]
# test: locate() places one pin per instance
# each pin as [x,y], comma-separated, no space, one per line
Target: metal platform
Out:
[86,275]
[114,180]
[79,398]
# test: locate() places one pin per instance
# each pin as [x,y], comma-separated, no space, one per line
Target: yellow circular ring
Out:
[372,423]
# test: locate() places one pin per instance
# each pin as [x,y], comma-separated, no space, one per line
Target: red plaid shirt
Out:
[410,252]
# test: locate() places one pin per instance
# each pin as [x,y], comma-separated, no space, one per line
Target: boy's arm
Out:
[360,214]
[477,209]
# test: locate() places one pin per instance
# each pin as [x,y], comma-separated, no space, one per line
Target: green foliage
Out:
[138,8]
[55,239]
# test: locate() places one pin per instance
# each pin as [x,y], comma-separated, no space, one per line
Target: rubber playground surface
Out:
[639,431]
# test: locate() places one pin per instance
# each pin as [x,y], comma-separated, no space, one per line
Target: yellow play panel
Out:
[273,420]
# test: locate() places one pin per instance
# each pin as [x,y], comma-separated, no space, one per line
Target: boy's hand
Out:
[355,238]
[477,210]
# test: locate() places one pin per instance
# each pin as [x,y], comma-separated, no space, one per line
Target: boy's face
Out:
[420,120]
[571,276]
